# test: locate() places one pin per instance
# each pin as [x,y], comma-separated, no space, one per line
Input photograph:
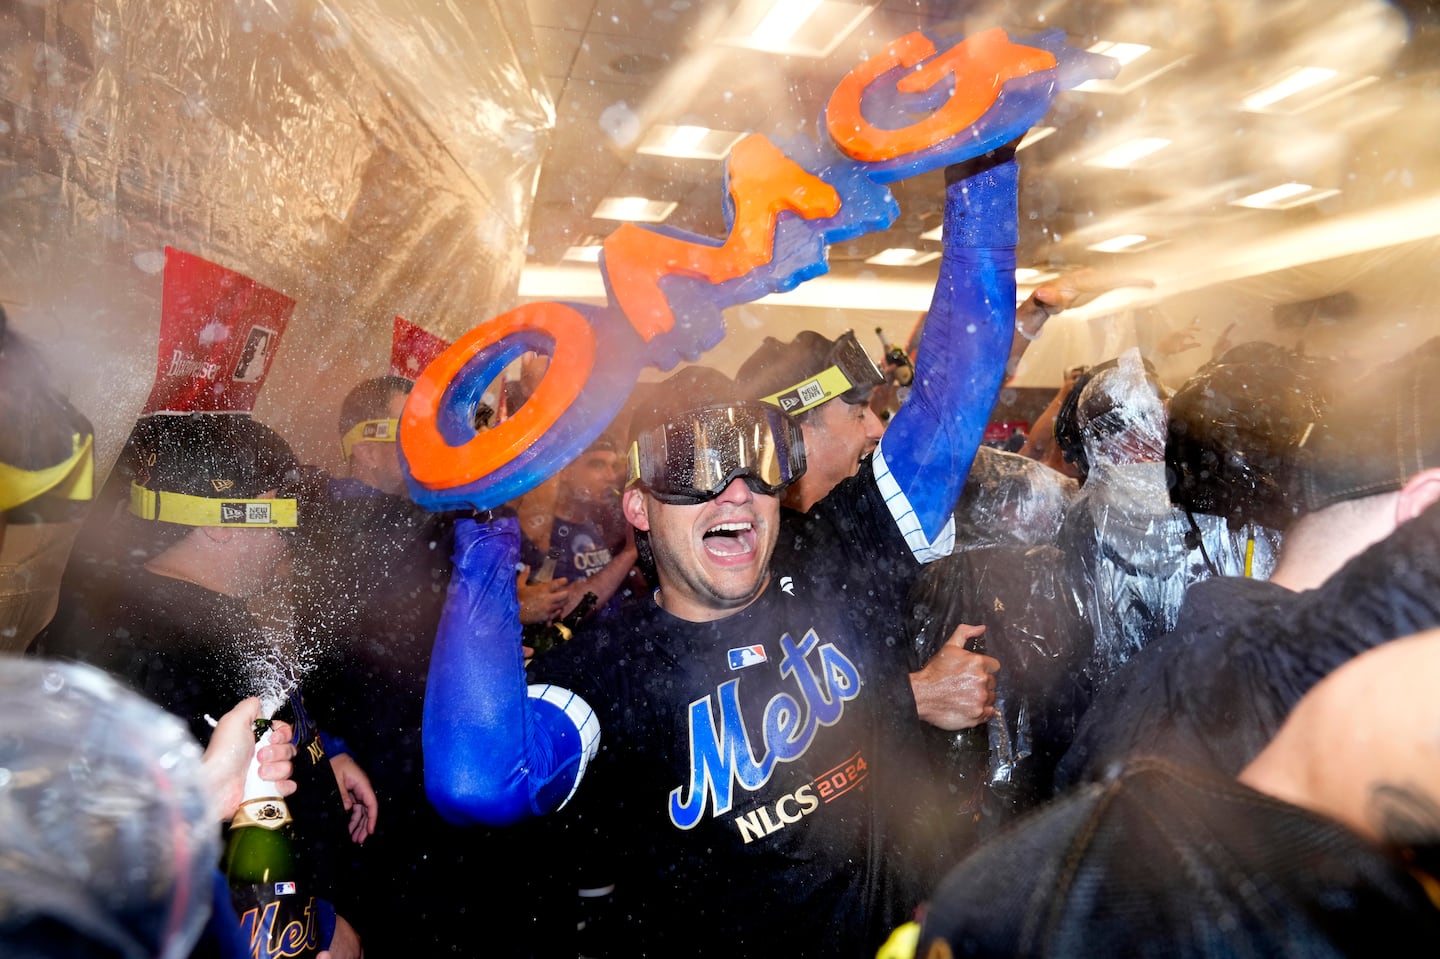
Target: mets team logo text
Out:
[721,754]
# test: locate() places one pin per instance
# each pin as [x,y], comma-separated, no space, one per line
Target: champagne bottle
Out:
[898,368]
[542,637]
[974,743]
[278,916]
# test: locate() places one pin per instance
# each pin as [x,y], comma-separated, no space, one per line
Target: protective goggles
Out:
[849,373]
[188,510]
[695,457]
[370,431]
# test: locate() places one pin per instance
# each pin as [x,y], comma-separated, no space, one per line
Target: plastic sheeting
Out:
[100,786]
[1132,553]
[1007,575]
[366,158]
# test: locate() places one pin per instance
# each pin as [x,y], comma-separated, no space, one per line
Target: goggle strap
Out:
[370,431]
[186,510]
[632,459]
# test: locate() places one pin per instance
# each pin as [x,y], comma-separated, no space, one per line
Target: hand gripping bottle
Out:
[278,916]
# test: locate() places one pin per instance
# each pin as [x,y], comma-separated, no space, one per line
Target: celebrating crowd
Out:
[780,665]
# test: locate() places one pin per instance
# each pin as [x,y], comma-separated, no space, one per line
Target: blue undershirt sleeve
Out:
[496,750]
[928,447]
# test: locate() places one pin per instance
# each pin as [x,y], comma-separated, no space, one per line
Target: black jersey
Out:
[749,782]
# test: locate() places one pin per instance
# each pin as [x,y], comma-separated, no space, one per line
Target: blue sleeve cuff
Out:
[334,745]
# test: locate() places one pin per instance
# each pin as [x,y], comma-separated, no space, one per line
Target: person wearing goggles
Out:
[801,378]
[693,458]
[760,727]
[703,490]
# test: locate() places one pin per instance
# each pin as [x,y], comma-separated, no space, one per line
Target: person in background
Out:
[802,377]
[1234,429]
[583,539]
[1148,521]
[1040,444]
[47,480]
[1006,584]
[211,499]
[1324,846]
[1359,566]
[1128,545]
[739,742]
[368,584]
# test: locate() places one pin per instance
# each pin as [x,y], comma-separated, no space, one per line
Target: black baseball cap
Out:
[225,457]
[1234,431]
[809,370]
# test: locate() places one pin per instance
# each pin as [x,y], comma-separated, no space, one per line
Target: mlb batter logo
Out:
[284,889]
[743,656]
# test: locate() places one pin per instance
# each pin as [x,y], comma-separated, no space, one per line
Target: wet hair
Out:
[1068,438]
[1234,434]
[370,400]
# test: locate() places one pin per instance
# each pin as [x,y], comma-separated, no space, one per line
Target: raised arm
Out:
[928,447]
[496,750]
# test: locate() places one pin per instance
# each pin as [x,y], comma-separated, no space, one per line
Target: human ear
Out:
[1418,493]
[635,505]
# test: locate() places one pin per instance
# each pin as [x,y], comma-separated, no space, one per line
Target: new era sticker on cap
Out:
[246,514]
[803,395]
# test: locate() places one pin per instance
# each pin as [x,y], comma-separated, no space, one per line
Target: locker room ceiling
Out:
[618,69]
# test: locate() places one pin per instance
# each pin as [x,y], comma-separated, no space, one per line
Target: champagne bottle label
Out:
[267,813]
[275,921]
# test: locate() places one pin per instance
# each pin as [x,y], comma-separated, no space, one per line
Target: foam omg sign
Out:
[921,104]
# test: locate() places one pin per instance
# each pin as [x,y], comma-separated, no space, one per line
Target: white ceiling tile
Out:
[557,50]
[565,14]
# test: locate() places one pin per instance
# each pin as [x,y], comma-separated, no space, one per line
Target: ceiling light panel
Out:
[634,208]
[1286,196]
[1033,136]
[1127,243]
[584,254]
[688,142]
[1139,64]
[1031,276]
[796,28]
[1301,89]
[1129,153]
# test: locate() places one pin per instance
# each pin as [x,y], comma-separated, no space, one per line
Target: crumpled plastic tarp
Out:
[1133,553]
[110,835]
[367,158]
[1007,575]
